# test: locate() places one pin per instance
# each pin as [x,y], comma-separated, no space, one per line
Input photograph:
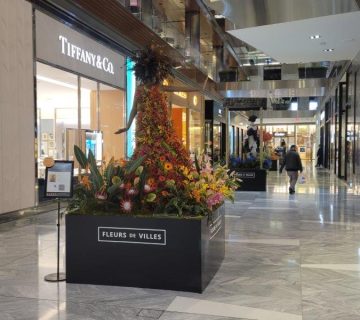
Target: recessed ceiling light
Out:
[219,16]
[328,50]
[315,36]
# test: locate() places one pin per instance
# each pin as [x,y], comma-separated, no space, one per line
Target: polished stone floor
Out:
[288,257]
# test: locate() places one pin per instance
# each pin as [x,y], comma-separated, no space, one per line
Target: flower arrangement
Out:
[160,178]
[127,187]
[250,162]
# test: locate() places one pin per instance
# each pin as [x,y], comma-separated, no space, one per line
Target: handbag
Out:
[302,179]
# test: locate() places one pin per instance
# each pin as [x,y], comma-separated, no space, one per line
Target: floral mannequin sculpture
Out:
[155,136]
[160,178]
[252,137]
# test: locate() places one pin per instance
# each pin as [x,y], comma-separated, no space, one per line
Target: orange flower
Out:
[162,158]
[86,182]
[122,163]
[151,181]
[162,178]
[196,195]
[165,193]
[168,166]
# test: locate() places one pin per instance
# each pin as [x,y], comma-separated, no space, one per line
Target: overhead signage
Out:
[181,94]
[76,52]
[132,235]
[60,45]
[59,180]
[279,134]
[246,103]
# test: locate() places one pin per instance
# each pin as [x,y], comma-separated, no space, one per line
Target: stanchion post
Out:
[58,276]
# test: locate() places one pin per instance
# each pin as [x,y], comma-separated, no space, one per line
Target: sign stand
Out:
[58,185]
[58,276]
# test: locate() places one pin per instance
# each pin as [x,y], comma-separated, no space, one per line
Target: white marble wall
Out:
[17,163]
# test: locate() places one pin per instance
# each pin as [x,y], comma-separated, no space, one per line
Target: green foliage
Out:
[133,165]
[80,157]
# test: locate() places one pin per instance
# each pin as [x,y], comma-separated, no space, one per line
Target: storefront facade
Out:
[80,97]
[187,114]
[59,88]
[302,135]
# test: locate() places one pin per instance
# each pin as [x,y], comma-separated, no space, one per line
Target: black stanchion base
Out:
[54,277]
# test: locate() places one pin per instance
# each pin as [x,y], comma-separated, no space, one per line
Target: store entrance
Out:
[73,110]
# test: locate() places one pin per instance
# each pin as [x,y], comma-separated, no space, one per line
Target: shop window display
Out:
[66,119]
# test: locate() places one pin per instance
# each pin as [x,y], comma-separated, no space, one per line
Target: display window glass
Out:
[195,133]
[178,117]
[74,110]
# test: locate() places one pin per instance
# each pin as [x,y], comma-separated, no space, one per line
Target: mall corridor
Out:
[288,257]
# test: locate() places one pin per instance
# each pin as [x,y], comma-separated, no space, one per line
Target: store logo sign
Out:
[132,235]
[75,52]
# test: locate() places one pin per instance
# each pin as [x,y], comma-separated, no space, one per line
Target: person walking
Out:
[293,165]
[319,156]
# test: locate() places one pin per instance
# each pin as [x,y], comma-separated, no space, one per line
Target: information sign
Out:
[59,180]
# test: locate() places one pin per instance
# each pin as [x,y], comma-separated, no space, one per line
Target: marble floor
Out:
[288,257]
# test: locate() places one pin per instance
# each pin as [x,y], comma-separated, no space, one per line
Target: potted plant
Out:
[249,171]
[156,220]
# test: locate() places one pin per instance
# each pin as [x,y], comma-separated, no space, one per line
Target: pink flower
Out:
[126,205]
[214,199]
[101,195]
[132,192]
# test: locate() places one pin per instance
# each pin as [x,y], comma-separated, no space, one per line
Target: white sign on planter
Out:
[132,235]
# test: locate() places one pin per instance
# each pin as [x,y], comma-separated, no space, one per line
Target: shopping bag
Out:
[302,179]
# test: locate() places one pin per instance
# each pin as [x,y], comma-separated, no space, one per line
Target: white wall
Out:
[17,160]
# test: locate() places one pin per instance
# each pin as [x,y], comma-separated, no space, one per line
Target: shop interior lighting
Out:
[313,105]
[60,83]
[315,36]
[294,106]
[328,50]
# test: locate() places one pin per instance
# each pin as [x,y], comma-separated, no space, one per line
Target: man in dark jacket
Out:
[292,164]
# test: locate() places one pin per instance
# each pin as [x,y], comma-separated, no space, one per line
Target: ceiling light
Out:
[315,36]
[328,50]
[294,106]
[219,16]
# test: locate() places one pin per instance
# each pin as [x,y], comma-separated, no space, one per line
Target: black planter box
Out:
[159,253]
[274,165]
[252,179]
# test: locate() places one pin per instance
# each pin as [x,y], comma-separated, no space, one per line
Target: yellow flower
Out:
[168,166]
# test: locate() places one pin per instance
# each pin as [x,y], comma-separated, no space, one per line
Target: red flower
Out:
[162,178]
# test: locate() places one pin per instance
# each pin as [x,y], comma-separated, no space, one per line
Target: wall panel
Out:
[17,162]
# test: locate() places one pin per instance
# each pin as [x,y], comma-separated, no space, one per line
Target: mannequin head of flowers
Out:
[151,66]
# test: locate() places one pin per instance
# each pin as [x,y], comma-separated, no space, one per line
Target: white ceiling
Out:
[290,42]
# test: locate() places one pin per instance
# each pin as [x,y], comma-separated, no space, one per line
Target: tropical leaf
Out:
[114,190]
[80,157]
[133,165]
[95,176]
[109,171]
[171,150]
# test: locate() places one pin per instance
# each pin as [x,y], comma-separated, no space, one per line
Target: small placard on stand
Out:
[59,185]
[59,180]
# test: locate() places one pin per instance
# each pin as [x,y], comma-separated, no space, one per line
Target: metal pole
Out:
[58,241]
[58,276]
[261,139]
